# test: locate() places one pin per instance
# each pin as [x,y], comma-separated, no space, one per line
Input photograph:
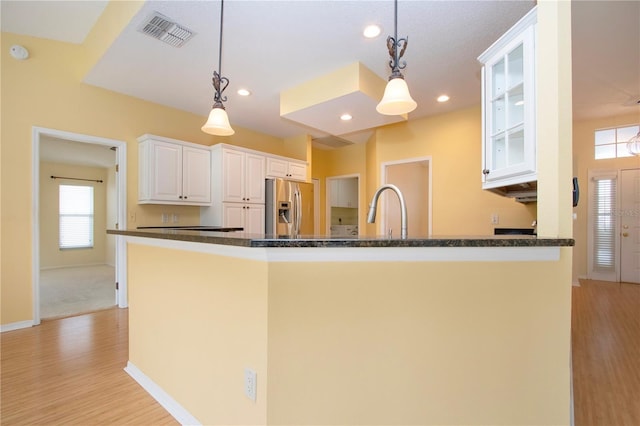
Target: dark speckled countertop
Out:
[252,240]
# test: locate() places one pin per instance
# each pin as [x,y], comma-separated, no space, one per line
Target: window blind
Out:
[76,216]
[604,223]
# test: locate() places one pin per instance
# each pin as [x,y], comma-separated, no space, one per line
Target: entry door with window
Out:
[630,226]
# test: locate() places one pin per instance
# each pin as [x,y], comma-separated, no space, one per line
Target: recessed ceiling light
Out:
[346,117]
[443,98]
[372,31]
[243,92]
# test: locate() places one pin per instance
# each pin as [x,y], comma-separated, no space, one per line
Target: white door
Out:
[233,176]
[255,175]
[630,226]
[167,171]
[254,219]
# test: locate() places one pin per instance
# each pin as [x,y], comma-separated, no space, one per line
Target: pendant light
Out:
[218,122]
[396,99]
[634,145]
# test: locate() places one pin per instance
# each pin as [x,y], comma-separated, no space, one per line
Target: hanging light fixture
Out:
[396,99]
[634,145]
[218,122]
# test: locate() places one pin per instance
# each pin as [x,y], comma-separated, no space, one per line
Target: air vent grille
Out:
[332,142]
[164,29]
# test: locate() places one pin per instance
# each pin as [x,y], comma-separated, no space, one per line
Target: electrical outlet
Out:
[250,384]
[495,219]
[175,218]
[132,216]
[164,217]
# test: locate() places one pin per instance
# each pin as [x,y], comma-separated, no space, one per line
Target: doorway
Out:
[70,163]
[413,178]
[613,229]
[343,202]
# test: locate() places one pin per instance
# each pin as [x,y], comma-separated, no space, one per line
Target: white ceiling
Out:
[271,46]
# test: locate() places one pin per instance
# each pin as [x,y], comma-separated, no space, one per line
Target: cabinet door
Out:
[298,171]
[254,219]
[509,105]
[349,192]
[277,167]
[335,193]
[165,171]
[233,215]
[196,175]
[255,175]
[233,172]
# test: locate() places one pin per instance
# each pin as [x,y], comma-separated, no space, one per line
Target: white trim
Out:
[121,177]
[361,254]
[383,180]
[576,283]
[163,398]
[16,326]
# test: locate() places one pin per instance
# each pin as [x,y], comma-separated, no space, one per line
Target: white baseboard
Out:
[171,405]
[16,326]
[576,283]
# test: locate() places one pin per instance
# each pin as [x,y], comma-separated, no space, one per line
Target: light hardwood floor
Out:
[606,353]
[70,372]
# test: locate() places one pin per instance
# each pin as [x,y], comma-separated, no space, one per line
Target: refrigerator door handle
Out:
[297,211]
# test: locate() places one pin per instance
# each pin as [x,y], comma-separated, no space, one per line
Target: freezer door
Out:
[304,209]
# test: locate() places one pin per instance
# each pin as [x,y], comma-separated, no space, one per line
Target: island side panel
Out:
[420,342]
[196,321]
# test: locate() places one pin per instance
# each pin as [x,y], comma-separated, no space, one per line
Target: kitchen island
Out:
[447,330]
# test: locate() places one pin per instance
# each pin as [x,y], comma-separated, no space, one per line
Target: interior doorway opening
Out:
[77,161]
[413,177]
[343,202]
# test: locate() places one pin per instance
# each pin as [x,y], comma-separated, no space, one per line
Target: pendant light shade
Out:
[396,100]
[218,123]
[634,145]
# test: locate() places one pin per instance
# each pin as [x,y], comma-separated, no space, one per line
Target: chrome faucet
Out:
[371,218]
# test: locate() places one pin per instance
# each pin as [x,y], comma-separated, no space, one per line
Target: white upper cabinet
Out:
[287,169]
[344,192]
[173,172]
[509,106]
[242,176]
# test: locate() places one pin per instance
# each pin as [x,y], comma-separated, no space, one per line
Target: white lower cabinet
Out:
[249,217]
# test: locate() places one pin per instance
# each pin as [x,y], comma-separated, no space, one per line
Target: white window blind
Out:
[76,216]
[604,224]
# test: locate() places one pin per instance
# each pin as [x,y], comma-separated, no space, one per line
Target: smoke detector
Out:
[164,29]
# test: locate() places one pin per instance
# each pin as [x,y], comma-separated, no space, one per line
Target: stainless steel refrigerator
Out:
[288,208]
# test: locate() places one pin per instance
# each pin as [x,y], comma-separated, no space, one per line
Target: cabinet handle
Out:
[185,197]
[180,196]
[485,171]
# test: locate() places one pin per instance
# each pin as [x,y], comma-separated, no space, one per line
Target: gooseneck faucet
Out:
[371,218]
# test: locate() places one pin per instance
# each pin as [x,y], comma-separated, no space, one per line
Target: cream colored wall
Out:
[583,160]
[50,254]
[196,322]
[419,343]
[46,91]
[453,140]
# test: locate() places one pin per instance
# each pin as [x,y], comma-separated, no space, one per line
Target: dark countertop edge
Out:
[244,240]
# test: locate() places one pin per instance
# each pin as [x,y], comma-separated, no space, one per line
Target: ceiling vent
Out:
[164,29]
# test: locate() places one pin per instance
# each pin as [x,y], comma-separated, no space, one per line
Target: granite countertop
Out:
[258,240]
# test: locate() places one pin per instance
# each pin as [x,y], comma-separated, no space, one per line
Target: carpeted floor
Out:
[70,291]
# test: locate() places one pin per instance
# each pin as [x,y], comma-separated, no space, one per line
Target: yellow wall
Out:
[50,254]
[583,160]
[195,339]
[354,343]
[45,91]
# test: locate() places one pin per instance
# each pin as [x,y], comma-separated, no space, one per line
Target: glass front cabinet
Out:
[509,107]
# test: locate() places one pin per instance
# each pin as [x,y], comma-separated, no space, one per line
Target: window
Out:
[76,216]
[612,143]
[603,225]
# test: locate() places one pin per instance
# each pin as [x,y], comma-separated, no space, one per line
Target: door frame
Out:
[327,197]
[383,180]
[121,188]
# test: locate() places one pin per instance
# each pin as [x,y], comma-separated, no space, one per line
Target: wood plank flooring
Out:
[606,353]
[70,372]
